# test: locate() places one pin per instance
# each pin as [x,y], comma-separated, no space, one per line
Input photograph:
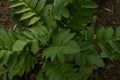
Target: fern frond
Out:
[12,56]
[107,39]
[29,10]
[62,44]
[33,10]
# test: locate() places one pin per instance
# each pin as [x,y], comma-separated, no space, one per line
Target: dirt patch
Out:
[108,13]
[5,21]
[110,72]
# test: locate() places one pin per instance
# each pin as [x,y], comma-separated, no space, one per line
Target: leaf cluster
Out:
[58,38]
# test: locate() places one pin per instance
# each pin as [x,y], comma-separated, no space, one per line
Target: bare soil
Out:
[108,13]
[5,21]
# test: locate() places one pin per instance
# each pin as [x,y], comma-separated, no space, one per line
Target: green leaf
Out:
[108,33]
[28,35]
[40,76]
[100,34]
[80,59]
[40,5]
[3,70]
[86,12]
[5,57]
[35,46]
[95,59]
[49,16]
[22,10]
[59,71]
[90,34]
[61,57]
[117,32]
[65,13]
[27,15]
[115,46]
[62,37]
[31,61]
[71,47]
[86,46]
[89,4]
[19,45]
[18,68]
[39,30]
[34,20]
[51,52]
[4,37]
[105,50]
[19,3]
[57,8]
[32,3]
[12,61]
[85,72]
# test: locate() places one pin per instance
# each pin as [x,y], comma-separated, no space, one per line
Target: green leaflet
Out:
[65,13]
[69,48]
[19,3]
[2,70]
[84,71]
[12,61]
[27,15]
[34,20]
[18,68]
[100,34]
[85,12]
[108,33]
[59,72]
[19,45]
[39,30]
[35,46]
[95,59]
[5,57]
[31,3]
[59,9]
[105,50]
[51,52]
[31,61]
[62,37]
[22,10]
[90,34]
[40,5]
[89,4]
[4,37]
[40,76]
[27,10]
[28,35]
[62,44]
[49,18]
[115,46]
[117,32]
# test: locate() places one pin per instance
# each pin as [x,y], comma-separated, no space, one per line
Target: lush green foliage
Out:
[57,37]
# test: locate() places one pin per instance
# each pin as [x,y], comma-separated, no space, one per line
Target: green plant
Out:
[57,37]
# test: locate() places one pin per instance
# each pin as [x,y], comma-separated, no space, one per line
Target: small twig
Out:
[107,9]
[14,27]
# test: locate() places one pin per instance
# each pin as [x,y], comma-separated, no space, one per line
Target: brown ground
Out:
[5,21]
[108,15]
